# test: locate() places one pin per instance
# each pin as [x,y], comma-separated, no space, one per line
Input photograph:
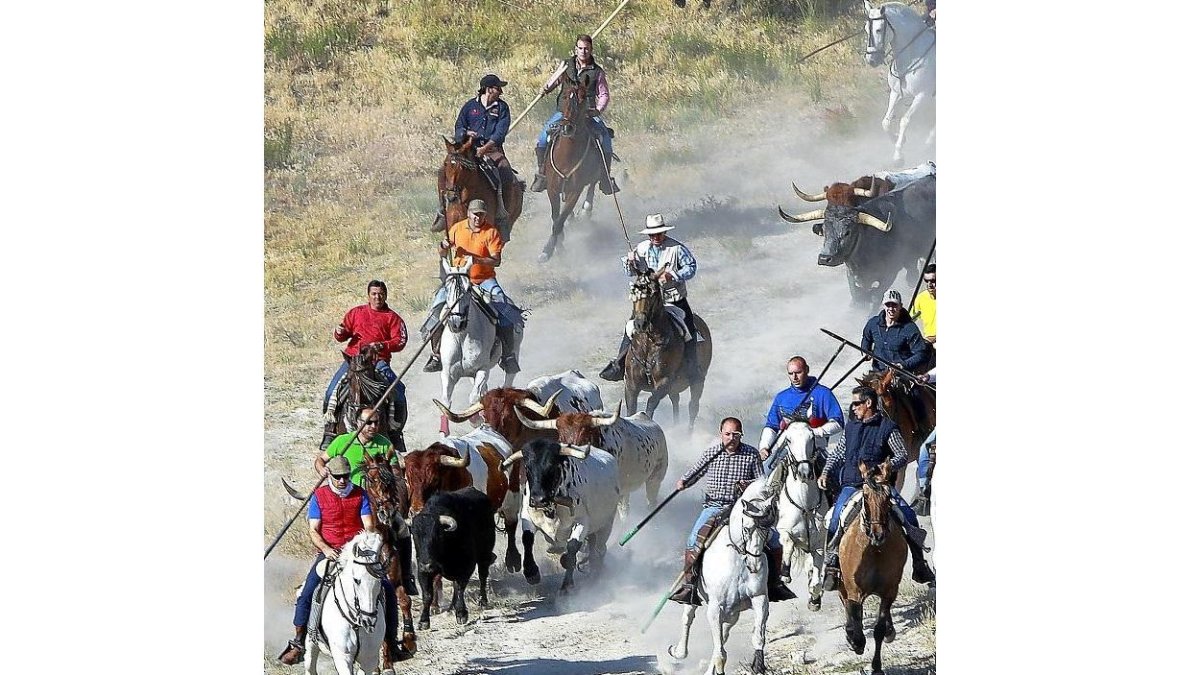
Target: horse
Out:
[655,359]
[389,503]
[575,161]
[469,346]
[896,30]
[460,179]
[802,509]
[350,616]
[734,574]
[873,553]
[361,388]
[897,404]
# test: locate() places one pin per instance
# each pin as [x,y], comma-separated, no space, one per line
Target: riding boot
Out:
[295,649]
[686,593]
[404,550]
[508,339]
[539,178]
[609,185]
[435,346]
[915,536]
[615,370]
[832,573]
[921,503]
[777,591]
[330,434]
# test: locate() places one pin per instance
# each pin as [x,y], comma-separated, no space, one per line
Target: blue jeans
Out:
[923,460]
[391,612]
[382,367]
[708,512]
[848,491]
[597,125]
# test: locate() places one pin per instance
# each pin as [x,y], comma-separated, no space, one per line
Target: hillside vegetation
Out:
[358,91]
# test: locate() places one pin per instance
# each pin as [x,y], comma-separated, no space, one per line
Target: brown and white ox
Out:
[637,442]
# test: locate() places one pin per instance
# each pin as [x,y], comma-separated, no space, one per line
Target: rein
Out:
[357,614]
[793,465]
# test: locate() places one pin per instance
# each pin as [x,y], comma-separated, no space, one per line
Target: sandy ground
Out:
[760,290]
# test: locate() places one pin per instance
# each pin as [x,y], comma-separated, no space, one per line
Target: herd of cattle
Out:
[458,485]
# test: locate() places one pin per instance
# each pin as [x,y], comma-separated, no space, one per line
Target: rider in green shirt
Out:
[353,446]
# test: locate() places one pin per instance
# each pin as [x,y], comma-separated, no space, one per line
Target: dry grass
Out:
[358,91]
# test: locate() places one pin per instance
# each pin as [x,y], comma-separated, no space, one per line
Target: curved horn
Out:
[450,523]
[868,219]
[568,450]
[863,193]
[543,410]
[807,197]
[456,462]
[476,408]
[803,217]
[608,419]
[535,424]
[510,459]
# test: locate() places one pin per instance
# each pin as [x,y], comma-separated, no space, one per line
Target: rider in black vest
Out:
[872,438]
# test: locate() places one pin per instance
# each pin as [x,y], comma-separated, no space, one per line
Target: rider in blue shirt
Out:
[485,119]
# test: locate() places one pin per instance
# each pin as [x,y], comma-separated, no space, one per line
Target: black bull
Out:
[874,258]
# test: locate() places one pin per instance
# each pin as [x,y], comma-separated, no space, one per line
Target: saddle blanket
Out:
[676,315]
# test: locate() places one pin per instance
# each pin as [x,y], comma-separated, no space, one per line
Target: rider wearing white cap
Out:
[673,264]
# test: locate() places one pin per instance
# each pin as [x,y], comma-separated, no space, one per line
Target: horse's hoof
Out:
[423,625]
[815,605]
[672,654]
[543,257]
[461,619]
[785,578]
[534,578]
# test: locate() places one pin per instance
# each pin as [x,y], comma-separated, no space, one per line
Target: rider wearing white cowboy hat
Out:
[673,264]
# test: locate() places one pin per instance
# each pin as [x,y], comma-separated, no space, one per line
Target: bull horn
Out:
[807,197]
[568,450]
[475,409]
[456,462]
[535,424]
[863,193]
[543,410]
[803,217]
[868,219]
[510,459]
[450,523]
[607,419]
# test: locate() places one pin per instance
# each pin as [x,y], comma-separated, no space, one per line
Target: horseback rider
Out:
[924,491]
[892,335]
[476,237]
[354,447]
[485,119]
[581,68]
[807,401]
[673,265]
[872,438]
[736,465]
[373,324]
[338,511]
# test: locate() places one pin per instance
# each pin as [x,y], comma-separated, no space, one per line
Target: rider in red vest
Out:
[339,510]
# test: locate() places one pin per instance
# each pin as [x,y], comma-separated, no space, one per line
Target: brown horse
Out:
[389,502]
[873,553]
[655,359]
[897,404]
[574,162]
[361,388]
[460,180]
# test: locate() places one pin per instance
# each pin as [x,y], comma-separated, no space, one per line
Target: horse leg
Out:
[719,635]
[656,397]
[589,200]
[674,407]
[448,393]
[758,639]
[854,629]
[890,114]
[883,631]
[459,603]
[789,549]
[918,99]
[408,635]
[696,390]
[632,391]
[679,650]
[481,384]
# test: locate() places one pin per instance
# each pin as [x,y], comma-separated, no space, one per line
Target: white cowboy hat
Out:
[654,224]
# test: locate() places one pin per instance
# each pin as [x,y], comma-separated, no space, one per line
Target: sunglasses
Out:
[891,305]
[370,422]
[931,281]
[855,404]
[343,476]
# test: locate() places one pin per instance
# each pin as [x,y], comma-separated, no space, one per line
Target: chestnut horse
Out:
[897,404]
[655,359]
[389,503]
[574,162]
[873,553]
[460,180]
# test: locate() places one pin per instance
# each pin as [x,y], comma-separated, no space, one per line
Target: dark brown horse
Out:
[574,162]
[389,502]
[897,404]
[460,180]
[655,359]
[360,389]
[873,552]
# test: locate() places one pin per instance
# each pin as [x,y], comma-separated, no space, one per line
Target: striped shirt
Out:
[725,472]
[837,456]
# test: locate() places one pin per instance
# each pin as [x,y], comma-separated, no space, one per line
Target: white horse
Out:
[897,31]
[734,574]
[802,509]
[351,615]
[469,345]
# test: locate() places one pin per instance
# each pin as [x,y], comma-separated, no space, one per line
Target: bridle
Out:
[802,469]
[453,193]
[751,524]
[646,289]
[352,612]
[864,516]
[462,284]
[872,48]
[566,129]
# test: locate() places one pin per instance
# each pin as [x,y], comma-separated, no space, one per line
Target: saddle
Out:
[327,570]
[677,320]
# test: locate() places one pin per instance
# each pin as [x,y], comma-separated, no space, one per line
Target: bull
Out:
[637,442]
[454,536]
[875,237]
[576,392]
[569,496]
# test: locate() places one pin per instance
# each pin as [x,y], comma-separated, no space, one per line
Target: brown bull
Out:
[435,469]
